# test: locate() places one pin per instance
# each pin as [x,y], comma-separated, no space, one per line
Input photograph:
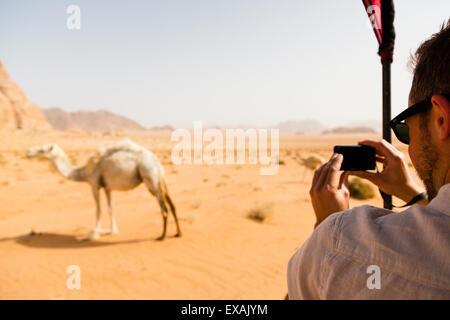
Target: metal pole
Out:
[387,113]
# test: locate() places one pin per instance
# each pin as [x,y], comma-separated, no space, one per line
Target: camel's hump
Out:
[122,145]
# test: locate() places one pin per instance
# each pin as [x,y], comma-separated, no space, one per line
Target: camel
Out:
[122,166]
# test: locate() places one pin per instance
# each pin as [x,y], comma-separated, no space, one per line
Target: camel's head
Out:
[47,151]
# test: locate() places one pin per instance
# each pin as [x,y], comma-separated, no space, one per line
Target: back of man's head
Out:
[431,66]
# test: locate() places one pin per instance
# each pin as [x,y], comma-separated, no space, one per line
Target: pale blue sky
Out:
[224,62]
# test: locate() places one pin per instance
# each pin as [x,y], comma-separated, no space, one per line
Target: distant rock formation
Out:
[350,130]
[162,128]
[300,126]
[16,111]
[96,121]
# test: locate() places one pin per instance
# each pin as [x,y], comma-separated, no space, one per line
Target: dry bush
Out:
[2,160]
[312,161]
[261,213]
[220,184]
[189,217]
[360,189]
[196,203]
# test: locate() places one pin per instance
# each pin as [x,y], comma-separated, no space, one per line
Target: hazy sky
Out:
[223,62]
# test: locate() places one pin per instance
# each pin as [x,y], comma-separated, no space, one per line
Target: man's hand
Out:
[395,178]
[329,191]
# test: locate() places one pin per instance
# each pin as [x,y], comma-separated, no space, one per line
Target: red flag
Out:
[373,9]
[381,15]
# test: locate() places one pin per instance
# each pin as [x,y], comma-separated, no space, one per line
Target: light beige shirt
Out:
[373,253]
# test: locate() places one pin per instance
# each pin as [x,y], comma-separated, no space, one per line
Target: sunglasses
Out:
[398,124]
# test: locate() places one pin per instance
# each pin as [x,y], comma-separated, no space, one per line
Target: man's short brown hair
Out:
[431,66]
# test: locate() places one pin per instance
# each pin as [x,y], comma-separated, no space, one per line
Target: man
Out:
[373,253]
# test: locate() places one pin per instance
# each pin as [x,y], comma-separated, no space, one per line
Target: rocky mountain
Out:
[350,130]
[376,125]
[101,120]
[16,111]
[300,126]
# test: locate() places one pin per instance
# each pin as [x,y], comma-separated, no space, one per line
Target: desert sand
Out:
[222,255]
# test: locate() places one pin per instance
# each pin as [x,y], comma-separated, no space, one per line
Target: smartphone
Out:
[357,158]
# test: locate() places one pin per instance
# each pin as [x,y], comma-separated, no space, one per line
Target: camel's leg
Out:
[94,234]
[111,214]
[173,210]
[164,213]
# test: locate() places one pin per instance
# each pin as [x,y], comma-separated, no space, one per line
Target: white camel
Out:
[122,166]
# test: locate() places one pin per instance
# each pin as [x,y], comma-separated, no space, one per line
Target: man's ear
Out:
[442,106]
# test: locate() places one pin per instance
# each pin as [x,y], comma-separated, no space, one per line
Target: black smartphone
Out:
[357,158]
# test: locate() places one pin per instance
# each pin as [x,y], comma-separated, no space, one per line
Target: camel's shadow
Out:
[64,241]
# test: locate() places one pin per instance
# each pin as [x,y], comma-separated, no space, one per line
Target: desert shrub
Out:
[360,189]
[261,212]
[190,217]
[196,203]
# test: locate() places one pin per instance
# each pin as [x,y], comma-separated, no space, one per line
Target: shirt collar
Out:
[442,201]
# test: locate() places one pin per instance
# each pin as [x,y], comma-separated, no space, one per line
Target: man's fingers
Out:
[380,159]
[315,177]
[322,174]
[382,147]
[333,170]
[371,176]
[344,179]
[318,174]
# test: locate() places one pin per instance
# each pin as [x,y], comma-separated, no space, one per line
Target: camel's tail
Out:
[169,201]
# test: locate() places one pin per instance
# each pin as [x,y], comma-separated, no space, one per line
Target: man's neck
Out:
[447,177]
